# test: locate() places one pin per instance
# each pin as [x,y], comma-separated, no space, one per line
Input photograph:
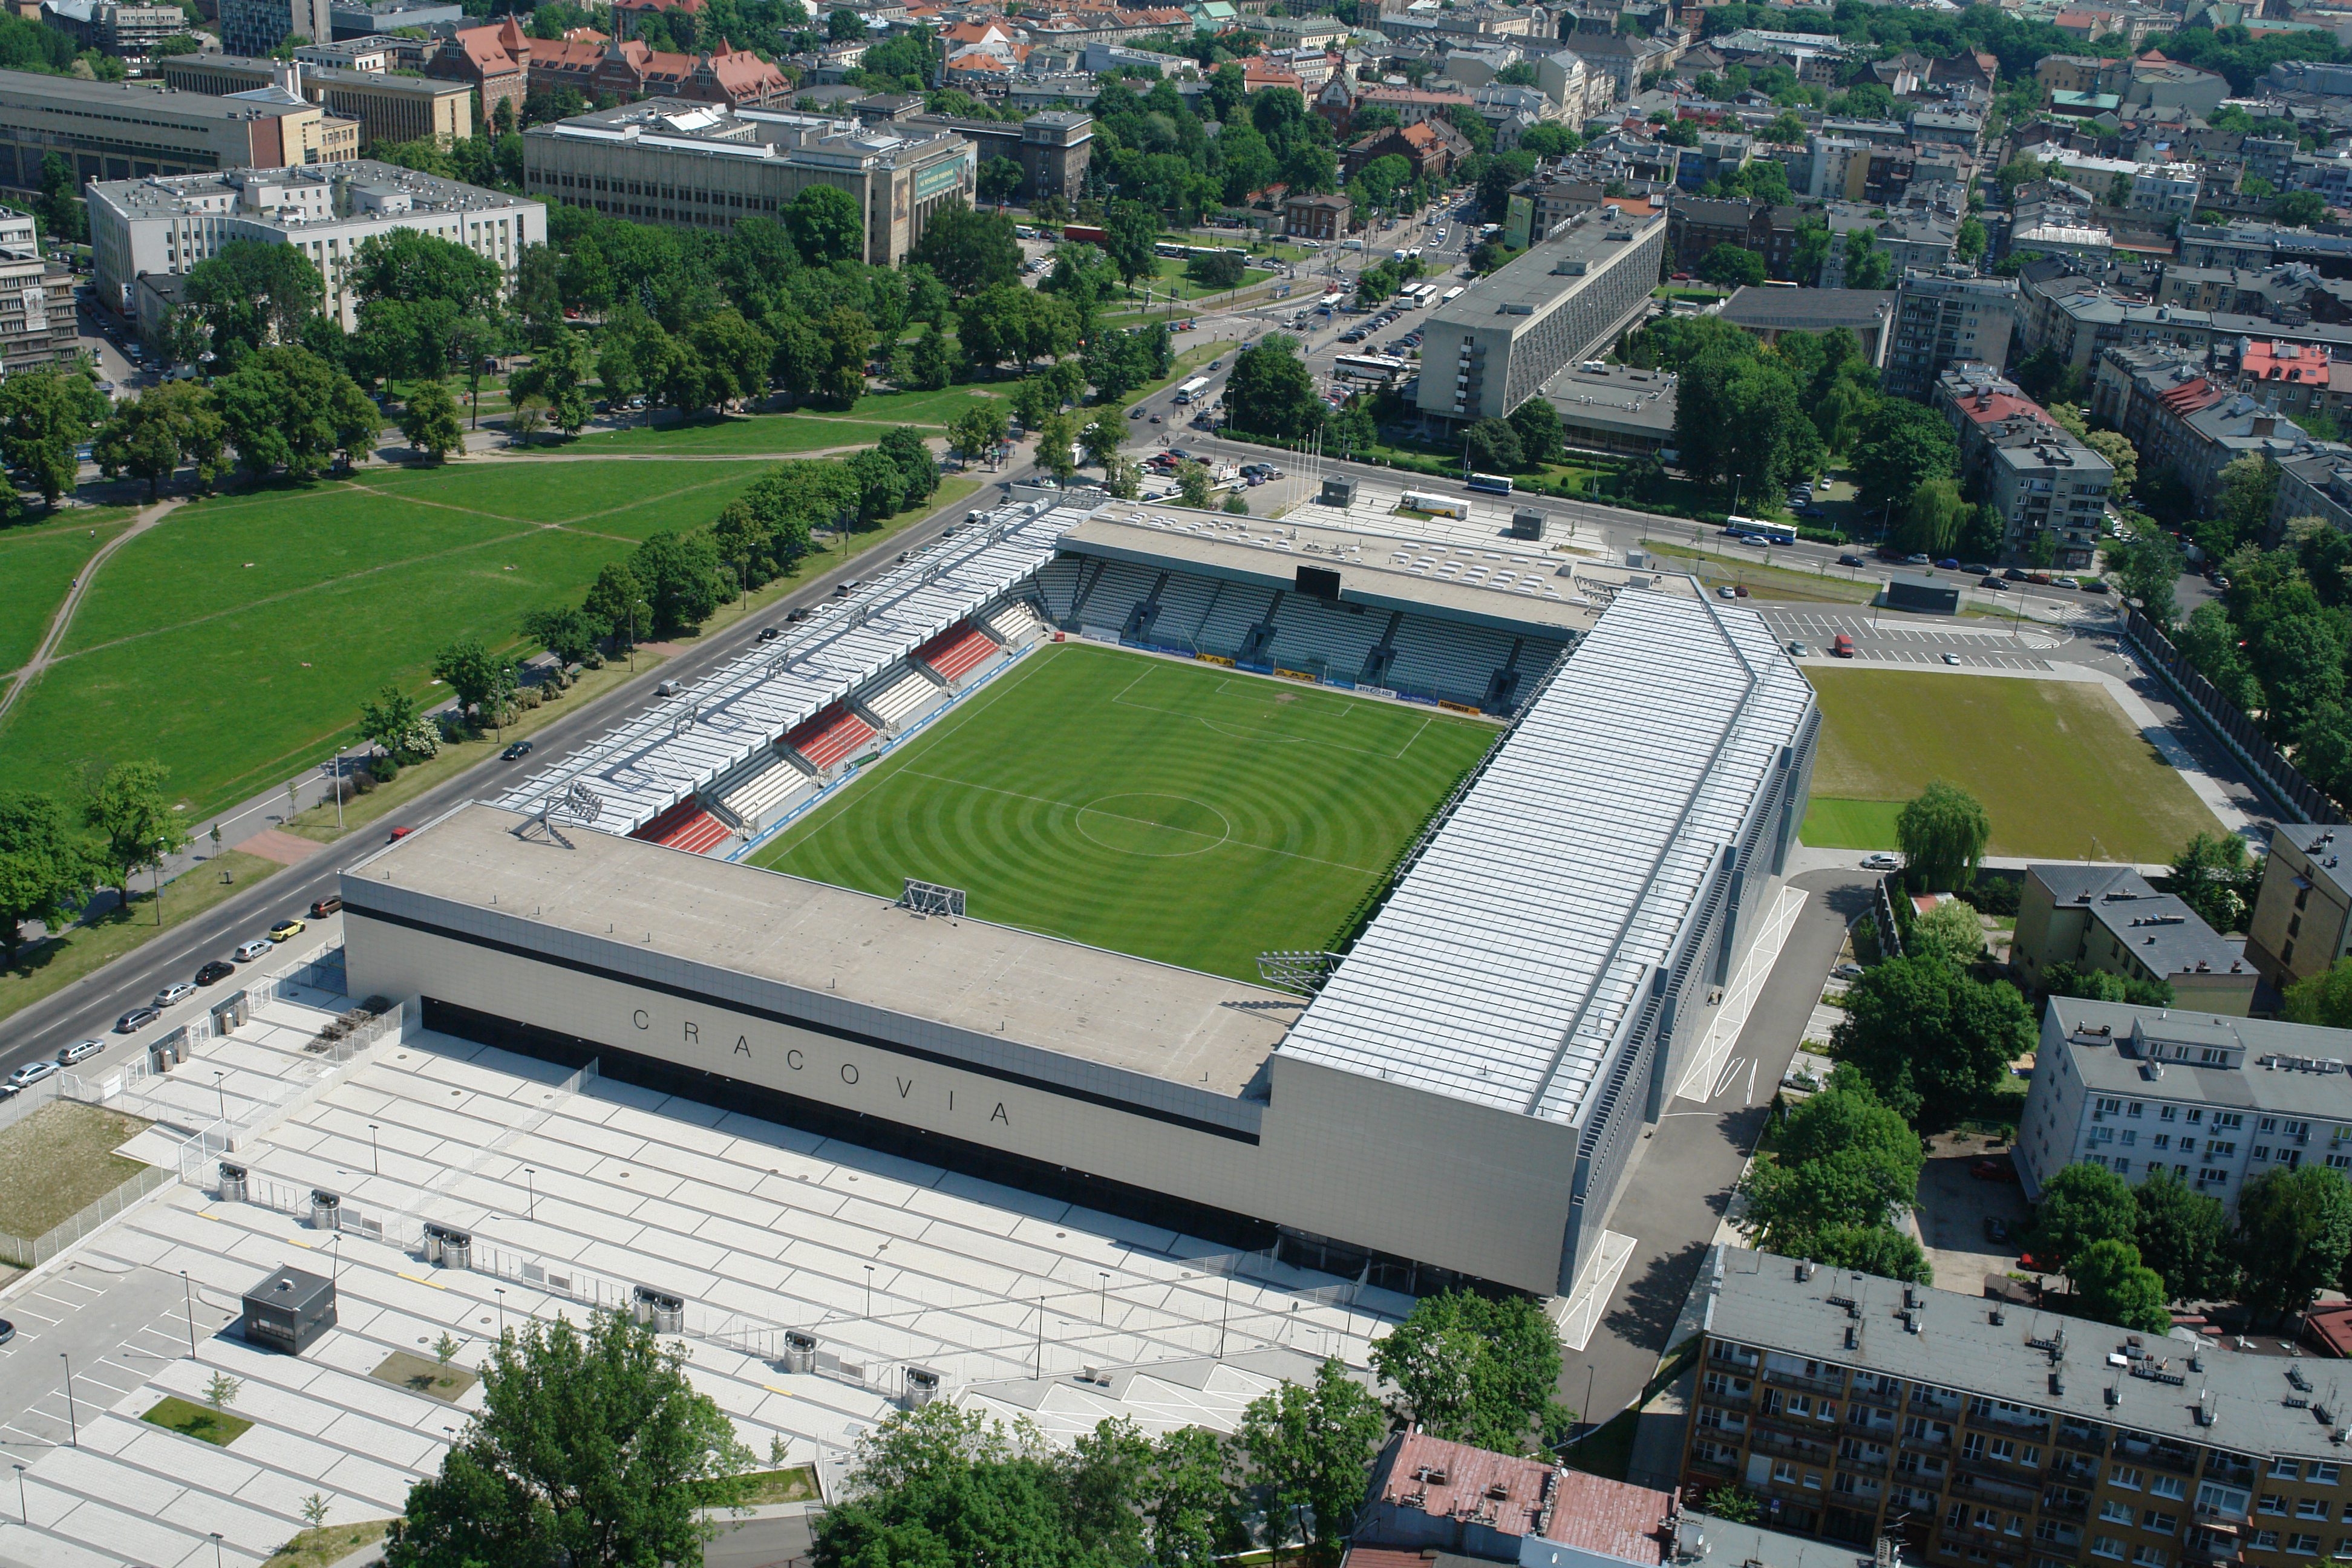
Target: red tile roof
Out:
[1523,1497]
[1992,407]
[2291,363]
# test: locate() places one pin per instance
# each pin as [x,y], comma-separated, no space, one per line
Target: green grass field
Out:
[235,640]
[37,566]
[776,434]
[1175,812]
[2063,775]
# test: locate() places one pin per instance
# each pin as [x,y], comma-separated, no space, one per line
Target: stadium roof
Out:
[1510,957]
[643,767]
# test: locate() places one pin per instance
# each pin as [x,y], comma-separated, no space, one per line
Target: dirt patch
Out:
[422,1374]
[274,844]
[61,1159]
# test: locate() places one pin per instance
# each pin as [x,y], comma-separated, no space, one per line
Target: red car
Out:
[398,834]
[1993,1171]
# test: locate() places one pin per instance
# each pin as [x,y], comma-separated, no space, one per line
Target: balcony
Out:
[1695,1460]
[1984,1489]
[2060,1503]
[1992,1418]
[1798,1380]
[2169,1457]
[1766,1441]
[1865,1392]
[1866,1464]
[2081,1439]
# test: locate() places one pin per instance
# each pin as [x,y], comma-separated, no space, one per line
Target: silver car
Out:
[248,952]
[171,995]
[79,1051]
[30,1074]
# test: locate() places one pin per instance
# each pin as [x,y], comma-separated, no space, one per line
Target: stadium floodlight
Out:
[1303,972]
[577,802]
[931,898]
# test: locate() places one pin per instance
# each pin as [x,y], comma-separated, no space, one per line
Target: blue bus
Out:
[1491,484]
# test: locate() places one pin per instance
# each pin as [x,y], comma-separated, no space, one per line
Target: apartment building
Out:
[326,213]
[2213,1100]
[258,27]
[1976,1434]
[703,165]
[387,108]
[2108,918]
[2302,920]
[122,131]
[1566,298]
[2313,484]
[1946,316]
[36,304]
[130,32]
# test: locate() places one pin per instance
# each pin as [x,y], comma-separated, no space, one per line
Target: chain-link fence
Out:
[30,1254]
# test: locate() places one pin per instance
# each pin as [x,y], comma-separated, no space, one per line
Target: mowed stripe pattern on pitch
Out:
[1175,812]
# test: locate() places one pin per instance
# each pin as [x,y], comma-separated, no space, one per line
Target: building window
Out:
[2114,1513]
[2304,1545]
[2166,1485]
[2106,1546]
[2266,1541]
[2128,1479]
[2311,1507]
[2272,1502]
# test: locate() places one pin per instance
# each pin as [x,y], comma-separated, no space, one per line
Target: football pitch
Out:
[1171,811]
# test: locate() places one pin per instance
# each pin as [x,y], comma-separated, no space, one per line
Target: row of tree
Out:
[54,853]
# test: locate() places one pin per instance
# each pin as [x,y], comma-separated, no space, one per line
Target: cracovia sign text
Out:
[896,1083]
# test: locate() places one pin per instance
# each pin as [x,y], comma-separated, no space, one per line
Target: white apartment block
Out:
[2215,1101]
[326,211]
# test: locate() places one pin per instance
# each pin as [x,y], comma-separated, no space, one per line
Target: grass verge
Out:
[61,1159]
[423,1374]
[764,1489]
[2063,775]
[328,1545]
[1766,582]
[53,965]
[217,1427]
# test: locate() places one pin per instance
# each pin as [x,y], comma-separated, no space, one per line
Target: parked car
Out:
[79,1051]
[1135,413]
[2093,585]
[1994,1170]
[1976,570]
[1725,592]
[286,931]
[247,951]
[1948,566]
[1847,972]
[2013,574]
[517,752]
[1881,861]
[1841,647]
[136,1019]
[796,617]
[1916,561]
[1997,584]
[1850,558]
[1812,511]
[1995,1230]
[1951,658]
[171,995]
[31,1073]
[397,834]
[216,971]
[1798,650]
[333,904]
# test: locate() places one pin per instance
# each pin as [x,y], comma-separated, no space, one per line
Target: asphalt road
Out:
[88,1008]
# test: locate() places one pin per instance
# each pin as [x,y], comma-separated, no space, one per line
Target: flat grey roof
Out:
[1499,584]
[2317,841]
[1619,397]
[2157,929]
[1201,1031]
[1506,963]
[108,98]
[1808,310]
[2271,1074]
[1533,280]
[1757,1300]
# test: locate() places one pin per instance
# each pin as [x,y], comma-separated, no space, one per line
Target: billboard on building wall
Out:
[1520,222]
[939,178]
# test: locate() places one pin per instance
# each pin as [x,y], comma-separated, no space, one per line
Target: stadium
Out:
[1316,885]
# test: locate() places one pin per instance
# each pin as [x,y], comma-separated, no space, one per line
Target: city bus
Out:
[1382,368]
[1193,389]
[1756,527]
[1491,484]
[1451,295]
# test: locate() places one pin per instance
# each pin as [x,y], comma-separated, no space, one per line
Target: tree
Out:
[679,576]
[429,420]
[1846,1161]
[2183,1235]
[1932,517]
[826,225]
[389,719]
[1735,1503]
[1732,265]
[999,180]
[62,210]
[2113,1286]
[1540,434]
[251,293]
[1471,1369]
[558,376]
[132,814]
[2295,1230]
[2083,1205]
[2249,490]
[45,868]
[470,672]
[1968,244]
[1942,833]
[1929,1038]
[1193,484]
[978,429]
[1307,1445]
[2146,566]
[1101,437]
[1492,446]
[1216,271]
[2300,209]
[1129,231]
[1952,930]
[562,631]
[149,437]
[1901,444]
[2324,999]
[2212,876]
[591,1448]
[409,265]
[287,407]
[1879,1249]
[44,417]
[1271,392]
[970,251]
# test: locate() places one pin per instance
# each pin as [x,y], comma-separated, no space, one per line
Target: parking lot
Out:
[1955,1204]
[1887,641]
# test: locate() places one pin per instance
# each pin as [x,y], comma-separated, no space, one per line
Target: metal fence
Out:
[2294,792]
[27,1254]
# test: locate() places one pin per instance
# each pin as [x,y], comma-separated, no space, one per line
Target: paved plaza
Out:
[576,1190]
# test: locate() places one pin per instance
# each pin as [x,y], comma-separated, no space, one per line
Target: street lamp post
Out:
[869,1290]
[531,1186]
[375,1160]
[188,1290]
[24,1508]
[73,1416]
[1102,1298]
[220,1088]
[216,1549]
[499,1291]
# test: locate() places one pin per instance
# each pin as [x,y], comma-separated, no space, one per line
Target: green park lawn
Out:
[721,435]
[37,565]
[236,641]
[2061,770]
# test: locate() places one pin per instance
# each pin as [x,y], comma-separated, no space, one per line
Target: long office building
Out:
[1967,1431]
[162,226]
[387,107]
[124,131]
[701,165]
[1460,1096]
[1568,297]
